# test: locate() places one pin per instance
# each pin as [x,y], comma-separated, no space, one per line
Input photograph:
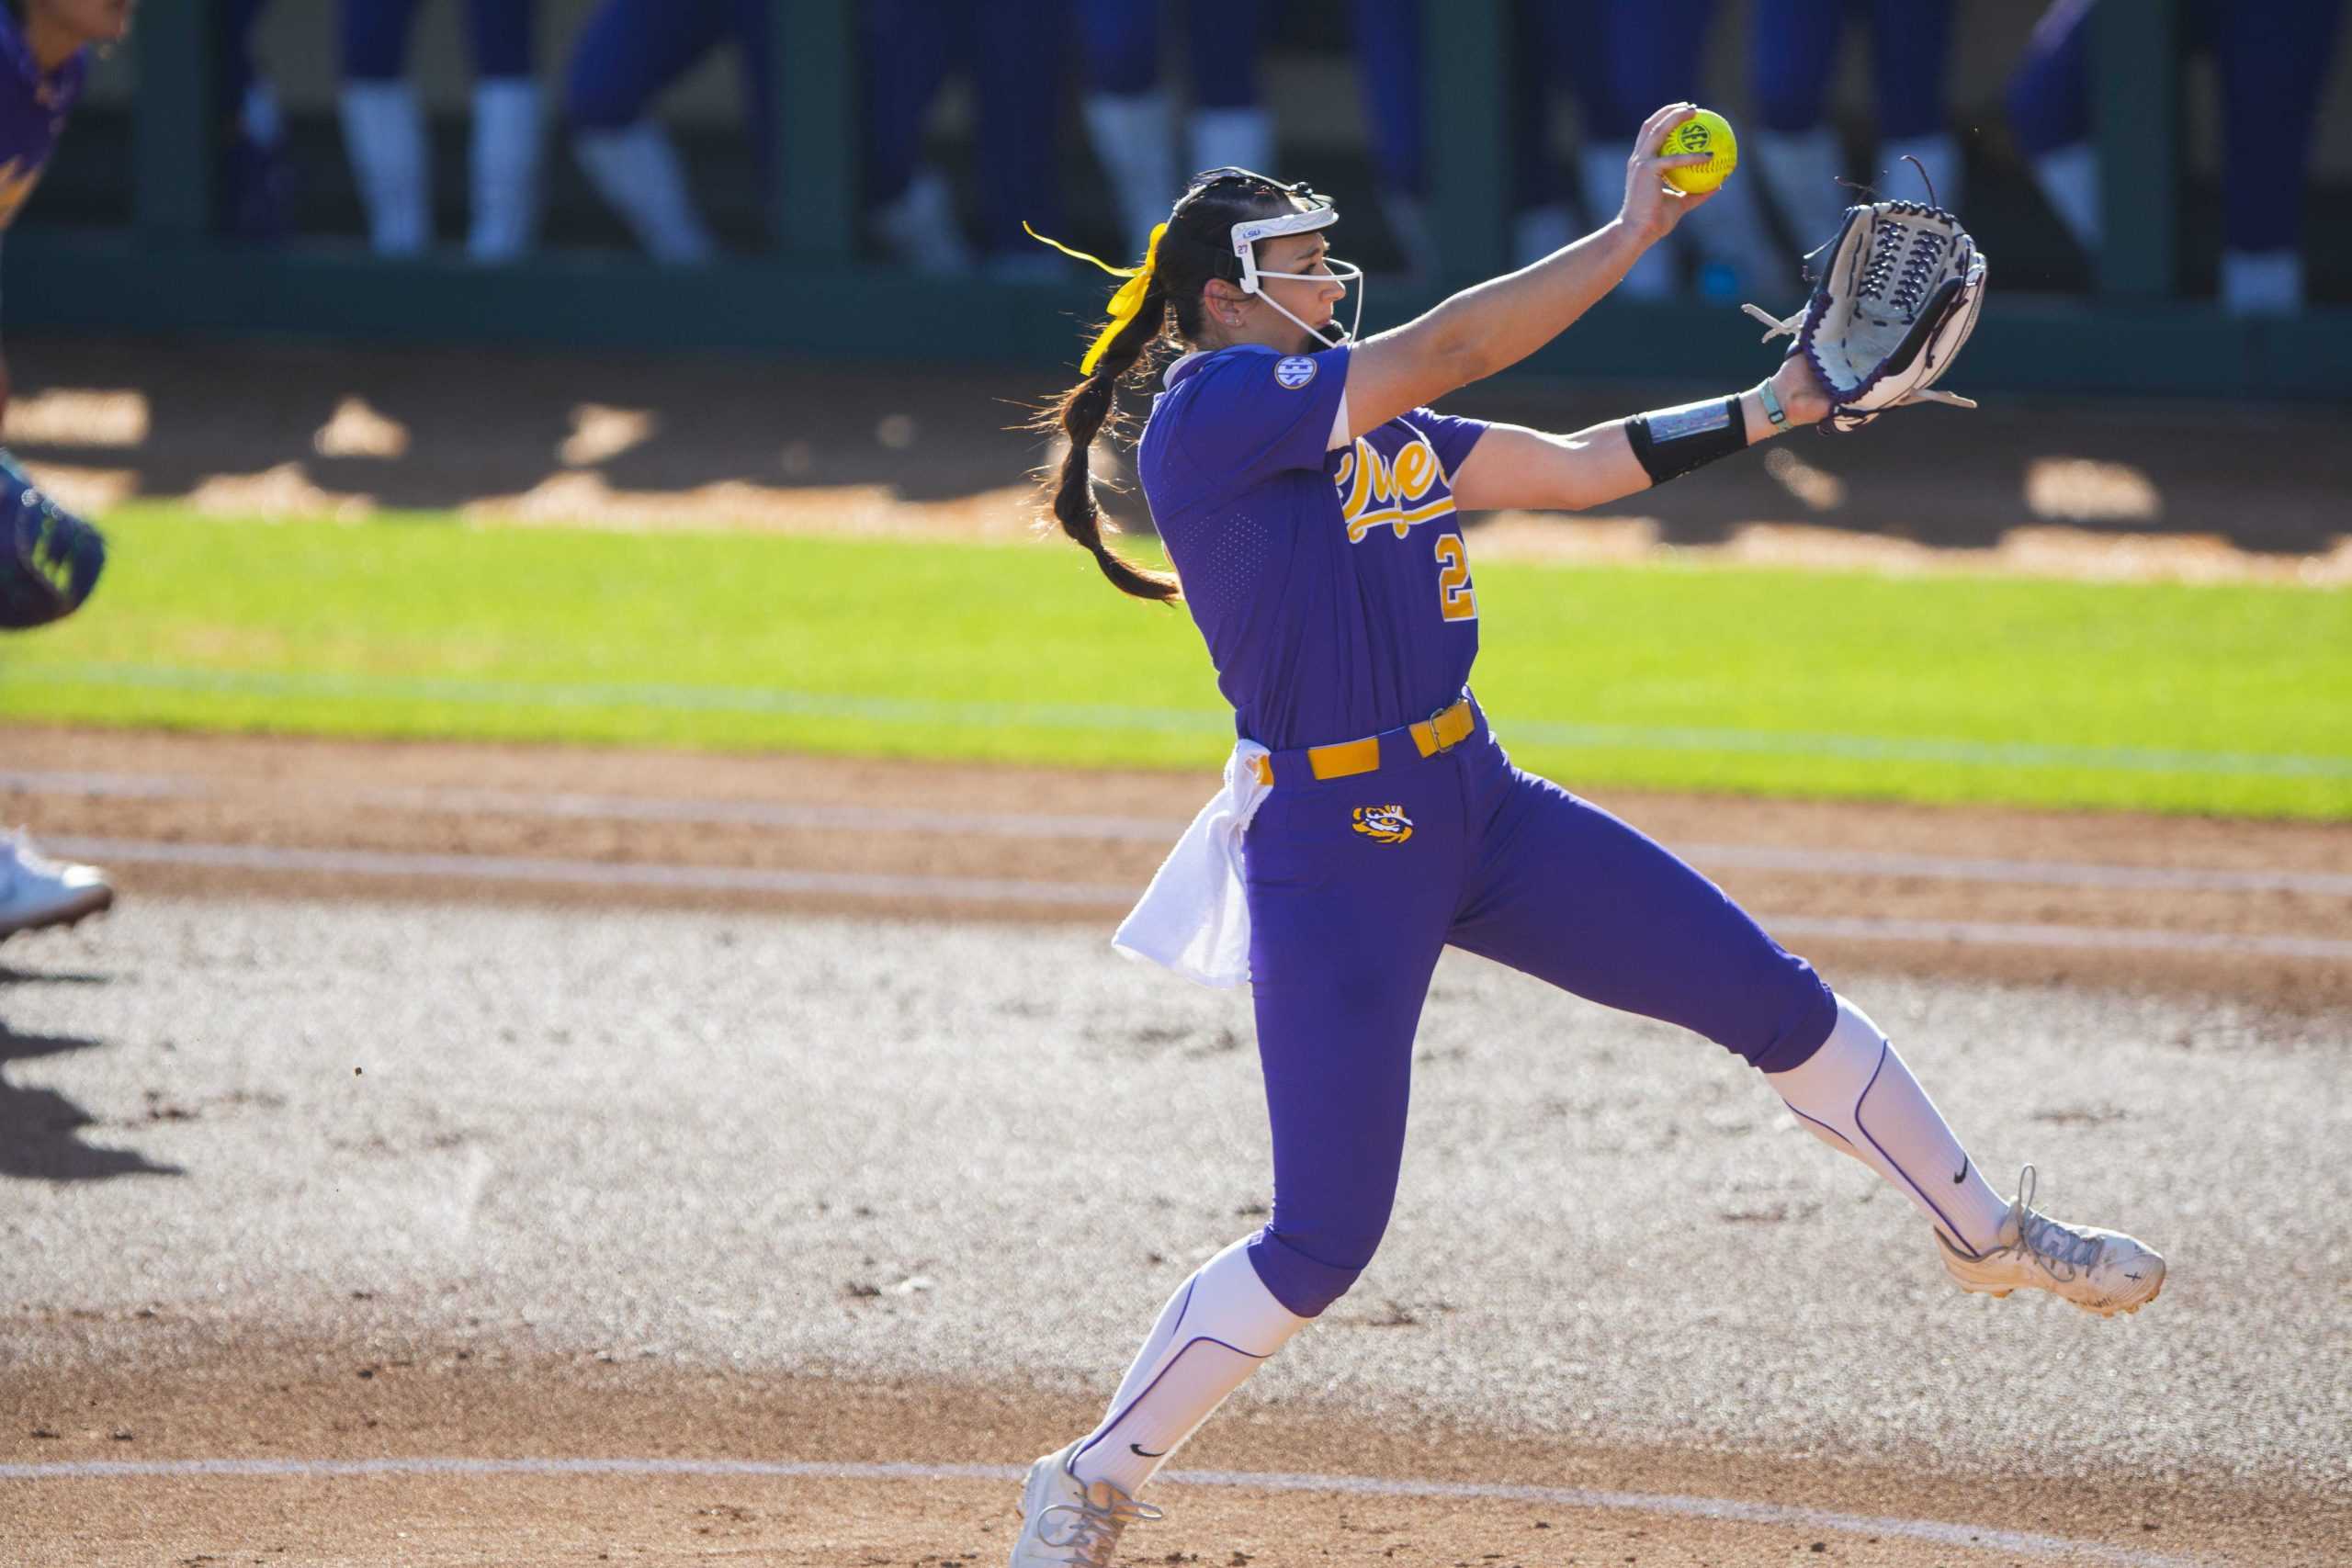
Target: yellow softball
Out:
[1703,131]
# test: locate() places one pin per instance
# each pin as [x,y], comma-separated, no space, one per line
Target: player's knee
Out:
[607,84]
[1790,1011]
[1299,1267]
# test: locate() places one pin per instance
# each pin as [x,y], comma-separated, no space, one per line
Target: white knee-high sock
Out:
[1133,137]
[1856,1095]
[1214,1331]
[2262,283]
[1729,232]
[1408,225]
[636,170]
[2069,177]
[1800,169]
[921,231]
[1241,139]
[1538,231]
[1602,170]
[506,168]
[383,133]
[1938,154]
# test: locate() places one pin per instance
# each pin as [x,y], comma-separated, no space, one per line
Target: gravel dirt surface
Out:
[343,1168]
[1102,834]
[430,1175]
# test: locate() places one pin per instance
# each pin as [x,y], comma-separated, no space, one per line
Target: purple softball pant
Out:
[1347,921]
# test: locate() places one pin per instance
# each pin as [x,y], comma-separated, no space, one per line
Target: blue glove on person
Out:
[50,559]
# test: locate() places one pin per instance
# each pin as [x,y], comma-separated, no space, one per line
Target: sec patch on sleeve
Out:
[1294,371]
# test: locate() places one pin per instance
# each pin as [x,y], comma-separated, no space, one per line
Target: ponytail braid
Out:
[1159,302]
[1080,415]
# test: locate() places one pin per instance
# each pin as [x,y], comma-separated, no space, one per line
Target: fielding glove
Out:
[1899,296]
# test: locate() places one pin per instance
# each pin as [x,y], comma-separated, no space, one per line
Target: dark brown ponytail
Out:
[1192,247]
[1080,415]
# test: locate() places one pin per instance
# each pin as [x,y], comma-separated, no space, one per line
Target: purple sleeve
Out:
[1253,414]
[1449,434]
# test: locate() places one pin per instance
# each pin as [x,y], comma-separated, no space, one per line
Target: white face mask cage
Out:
[1246,236]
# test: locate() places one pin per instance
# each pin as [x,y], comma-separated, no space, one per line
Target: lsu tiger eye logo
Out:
[1384,824]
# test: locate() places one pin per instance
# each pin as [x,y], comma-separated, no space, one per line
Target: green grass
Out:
[2231,698]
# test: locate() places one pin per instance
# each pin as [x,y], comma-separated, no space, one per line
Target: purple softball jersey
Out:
[33,108]
[1336,598]
[1332,586]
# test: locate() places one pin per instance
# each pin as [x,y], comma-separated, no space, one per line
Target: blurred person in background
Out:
[1796,149]
[1131,118]
[1616,56]
[627,54]
[1015,50]
[256,176]
[383,127]
[1653,53]
[1388,75]
[2272,59]
[44,51]
[1390,63]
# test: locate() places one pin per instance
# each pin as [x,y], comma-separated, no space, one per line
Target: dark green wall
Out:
[167,275]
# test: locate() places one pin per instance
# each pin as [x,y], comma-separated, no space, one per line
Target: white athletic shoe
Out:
[2100,1271]
[37,892]
[1065,1523]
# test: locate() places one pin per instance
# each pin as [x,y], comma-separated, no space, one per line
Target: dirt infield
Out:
[167,1081]
[309,1401]
[922,824]
[476,1155]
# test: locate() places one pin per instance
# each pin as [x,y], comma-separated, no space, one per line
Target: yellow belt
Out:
[1440,731]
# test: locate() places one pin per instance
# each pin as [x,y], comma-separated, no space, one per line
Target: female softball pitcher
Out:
[1307,498]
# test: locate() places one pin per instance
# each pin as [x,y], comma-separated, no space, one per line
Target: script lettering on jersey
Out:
[1374,490]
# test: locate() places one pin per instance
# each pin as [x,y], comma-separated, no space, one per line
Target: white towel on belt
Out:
[1195,917]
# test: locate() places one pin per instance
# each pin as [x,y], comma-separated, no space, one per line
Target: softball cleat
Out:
[2100,1271]
[1066,1523]
[36,891]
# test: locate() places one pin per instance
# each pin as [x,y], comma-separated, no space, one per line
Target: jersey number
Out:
[1457,601]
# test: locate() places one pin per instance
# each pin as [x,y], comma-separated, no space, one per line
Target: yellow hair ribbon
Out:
[1127,304]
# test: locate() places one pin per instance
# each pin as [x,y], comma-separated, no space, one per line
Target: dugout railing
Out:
[169,272]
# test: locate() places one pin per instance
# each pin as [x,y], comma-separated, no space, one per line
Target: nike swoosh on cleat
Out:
[1141,1453]
[1963,1171]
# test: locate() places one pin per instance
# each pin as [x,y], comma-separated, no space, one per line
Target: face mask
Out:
[1246,236]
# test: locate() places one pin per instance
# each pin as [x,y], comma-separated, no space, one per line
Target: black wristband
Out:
[1671,442]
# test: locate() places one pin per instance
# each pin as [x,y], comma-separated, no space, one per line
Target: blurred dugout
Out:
[1084,117]
[2271,59]
[383,127]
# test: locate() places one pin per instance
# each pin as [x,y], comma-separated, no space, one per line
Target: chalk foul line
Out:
[1937,1532]
[271,860]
